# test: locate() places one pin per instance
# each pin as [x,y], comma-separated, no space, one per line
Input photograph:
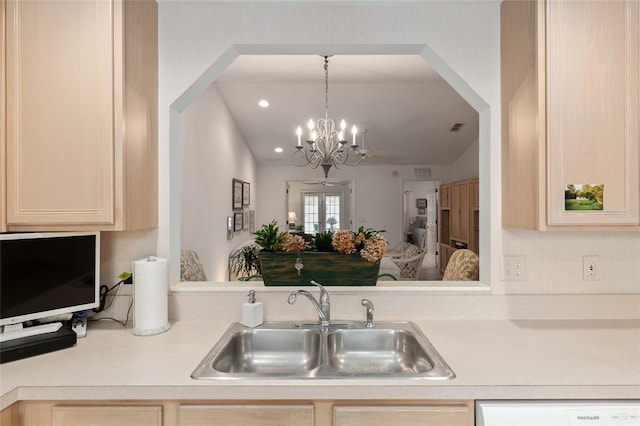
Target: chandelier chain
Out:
[326,87]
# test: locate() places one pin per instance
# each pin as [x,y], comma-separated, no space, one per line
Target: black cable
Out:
[104,290]
[124,324]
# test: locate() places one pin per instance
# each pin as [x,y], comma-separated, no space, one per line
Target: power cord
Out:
[103,292]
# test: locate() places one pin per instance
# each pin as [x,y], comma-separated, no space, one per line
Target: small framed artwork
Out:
[252,221]
[246,192]
[584,197]
[237,221]
[236,194]
[421,203]
[245,219]
[421,210]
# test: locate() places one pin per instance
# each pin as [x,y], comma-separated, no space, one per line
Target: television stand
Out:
[57,337]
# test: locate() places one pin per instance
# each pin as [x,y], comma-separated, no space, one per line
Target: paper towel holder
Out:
[150,297]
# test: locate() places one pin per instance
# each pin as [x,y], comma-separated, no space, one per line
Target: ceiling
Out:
[405,106]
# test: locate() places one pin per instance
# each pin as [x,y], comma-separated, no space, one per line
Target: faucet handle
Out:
[367,304]
[324,295]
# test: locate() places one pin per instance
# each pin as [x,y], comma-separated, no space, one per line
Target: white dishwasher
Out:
[558,413]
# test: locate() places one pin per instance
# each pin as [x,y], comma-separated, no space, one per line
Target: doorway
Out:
[420,212]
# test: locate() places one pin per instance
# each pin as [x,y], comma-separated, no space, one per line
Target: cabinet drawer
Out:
[125,415]
[245,415]
[432,415]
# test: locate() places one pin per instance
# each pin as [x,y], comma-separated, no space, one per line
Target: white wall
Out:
[467,165]
[193,36]
[213,153]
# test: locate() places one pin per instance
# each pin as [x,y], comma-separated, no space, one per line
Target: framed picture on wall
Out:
[237,221]
[421,203]
[252,221]
[245,219]
[246,192]
[236,194]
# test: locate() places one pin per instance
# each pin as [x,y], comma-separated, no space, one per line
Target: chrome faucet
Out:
[367,304]
[323,306]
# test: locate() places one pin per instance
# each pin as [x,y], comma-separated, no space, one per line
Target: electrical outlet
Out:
[126,278]
[590,268]
[513,268]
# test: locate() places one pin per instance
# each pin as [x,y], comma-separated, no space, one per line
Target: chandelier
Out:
[326,146]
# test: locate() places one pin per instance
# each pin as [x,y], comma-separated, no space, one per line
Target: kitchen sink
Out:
[287,350]
[376,351]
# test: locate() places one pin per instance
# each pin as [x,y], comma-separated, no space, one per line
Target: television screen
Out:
[47,274]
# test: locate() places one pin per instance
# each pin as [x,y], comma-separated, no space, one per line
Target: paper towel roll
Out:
[150,296]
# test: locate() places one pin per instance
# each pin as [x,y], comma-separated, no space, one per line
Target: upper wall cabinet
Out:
[81,115]
[3,118]
[570,113]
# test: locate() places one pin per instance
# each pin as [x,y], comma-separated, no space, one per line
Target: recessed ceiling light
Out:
[278,150]
[263,103]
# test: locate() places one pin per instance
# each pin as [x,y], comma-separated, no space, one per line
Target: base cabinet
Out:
[109,415]
[246,414]
[403,415]
[240,413]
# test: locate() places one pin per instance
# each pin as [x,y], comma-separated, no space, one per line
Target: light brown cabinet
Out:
[239,413]
[76,73]
[98,415]
[245,415]
[443,193]
[570,113]
[458,218]
[460,213]
[404,415]
[3,118]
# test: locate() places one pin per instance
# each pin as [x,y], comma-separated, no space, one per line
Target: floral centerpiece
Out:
[343,257]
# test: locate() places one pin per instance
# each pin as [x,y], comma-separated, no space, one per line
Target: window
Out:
[322,211]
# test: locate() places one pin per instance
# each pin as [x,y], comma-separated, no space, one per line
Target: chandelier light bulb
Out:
[343,124]
[314,136]
[354,131]
[299,133]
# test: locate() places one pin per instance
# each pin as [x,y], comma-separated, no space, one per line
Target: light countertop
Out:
[493,359]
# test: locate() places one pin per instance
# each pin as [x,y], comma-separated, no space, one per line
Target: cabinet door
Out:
[592,110]
[445,254]
[444,195]
[124,415]
[3,119]
[434,415]
[59,61]
[245,415]
[475,194]
[459,195]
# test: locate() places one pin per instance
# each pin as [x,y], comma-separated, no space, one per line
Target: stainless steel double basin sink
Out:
[343,350]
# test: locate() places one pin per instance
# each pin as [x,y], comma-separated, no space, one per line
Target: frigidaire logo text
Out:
[588,417]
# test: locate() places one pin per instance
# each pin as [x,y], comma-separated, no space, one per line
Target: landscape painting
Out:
[584,197]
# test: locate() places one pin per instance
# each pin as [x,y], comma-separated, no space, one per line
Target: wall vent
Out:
[423,172]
